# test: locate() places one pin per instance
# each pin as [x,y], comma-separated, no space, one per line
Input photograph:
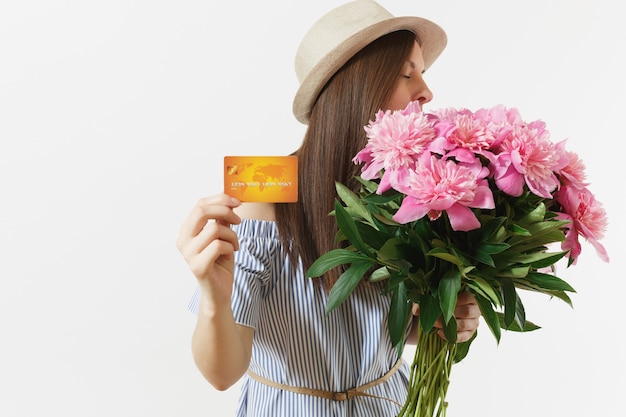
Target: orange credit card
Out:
[261,178]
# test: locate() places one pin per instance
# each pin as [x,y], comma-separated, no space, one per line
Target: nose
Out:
[422,93]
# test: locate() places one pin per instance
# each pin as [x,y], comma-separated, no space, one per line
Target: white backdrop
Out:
[114,118]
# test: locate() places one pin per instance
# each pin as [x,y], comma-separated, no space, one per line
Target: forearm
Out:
[221,348]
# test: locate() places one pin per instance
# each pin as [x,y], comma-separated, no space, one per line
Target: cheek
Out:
[399,100]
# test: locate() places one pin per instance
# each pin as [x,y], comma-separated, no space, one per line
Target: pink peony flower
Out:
[500,115]
[500,120]
[438,185]
[527,156]
[588,219]
[471,133]
[574,172]
[395,140]
[464,136]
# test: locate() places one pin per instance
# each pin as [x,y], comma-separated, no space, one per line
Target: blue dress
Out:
[296,344]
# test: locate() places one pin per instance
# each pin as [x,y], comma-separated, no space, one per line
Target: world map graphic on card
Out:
[261,178]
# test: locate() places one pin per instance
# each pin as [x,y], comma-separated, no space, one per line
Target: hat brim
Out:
[432,39]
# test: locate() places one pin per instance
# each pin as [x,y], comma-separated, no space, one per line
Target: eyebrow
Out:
[412,64]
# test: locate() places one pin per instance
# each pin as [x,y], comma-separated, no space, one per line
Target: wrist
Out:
[211,307]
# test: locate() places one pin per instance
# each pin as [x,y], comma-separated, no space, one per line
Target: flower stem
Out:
[429,377]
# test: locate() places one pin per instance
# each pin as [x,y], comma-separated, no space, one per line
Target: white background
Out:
[114,118]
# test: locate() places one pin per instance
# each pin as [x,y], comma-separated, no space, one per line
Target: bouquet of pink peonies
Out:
[458,200]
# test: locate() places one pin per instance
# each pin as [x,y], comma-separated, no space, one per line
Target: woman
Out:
[257,312]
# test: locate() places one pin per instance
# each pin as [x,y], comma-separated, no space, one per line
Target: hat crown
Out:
[332,29]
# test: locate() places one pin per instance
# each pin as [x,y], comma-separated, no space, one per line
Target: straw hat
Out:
[341,33]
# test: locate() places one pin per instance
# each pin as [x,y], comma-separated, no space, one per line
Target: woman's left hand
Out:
[467,316]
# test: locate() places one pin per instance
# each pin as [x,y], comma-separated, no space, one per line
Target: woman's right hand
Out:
[221,348]
[207,243]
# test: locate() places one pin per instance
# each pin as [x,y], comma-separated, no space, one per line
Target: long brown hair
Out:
[334,136]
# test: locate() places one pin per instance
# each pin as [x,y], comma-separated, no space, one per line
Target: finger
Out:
[218,254]
[467,311]
[438,323]
[461,335]
[464,336]
[467,325]
[415,309]
[218,207]
[212,231]
[465,298]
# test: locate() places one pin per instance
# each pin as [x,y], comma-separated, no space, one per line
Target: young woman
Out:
[258,315]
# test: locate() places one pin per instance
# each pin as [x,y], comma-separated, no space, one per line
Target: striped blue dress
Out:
[296,344]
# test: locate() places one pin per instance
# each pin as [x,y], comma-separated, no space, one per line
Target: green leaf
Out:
[481,285]
[429,311]
[391,249]
[385,218]
[562,296]
[548,282]
[491,228]
[467,270]
[525,285]
[520,312]
[490,316]
[346,283]
[462,257]
[419,282]
[462,349]
[484,251]
[509,294]
[450,330]
[540,259]
[398,318]
[333,258]
[395,279]
[348,227]
[492,248]
[370,186]
[537,215]
[484,258]
[379,275]
[514,327]
[549,228]
[449,287]
[539,242]
[518,230]
[442,253]
[381,199]
[514,272]
[353,201]
[438,243]
[371,236]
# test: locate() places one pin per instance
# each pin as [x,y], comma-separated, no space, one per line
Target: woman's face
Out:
[411,85]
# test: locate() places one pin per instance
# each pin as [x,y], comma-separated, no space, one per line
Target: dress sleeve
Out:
[258,247]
